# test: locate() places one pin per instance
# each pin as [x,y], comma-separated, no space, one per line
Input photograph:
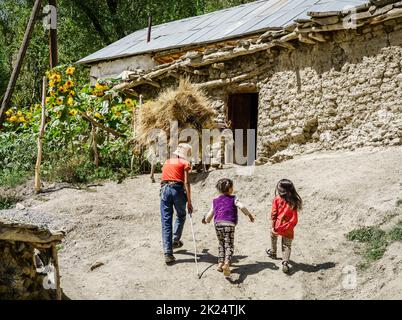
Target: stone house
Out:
[307,75]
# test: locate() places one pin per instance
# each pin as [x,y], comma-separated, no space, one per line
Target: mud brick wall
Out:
[341,94]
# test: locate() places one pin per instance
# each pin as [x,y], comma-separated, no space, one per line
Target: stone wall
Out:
[342,94]
[19,279]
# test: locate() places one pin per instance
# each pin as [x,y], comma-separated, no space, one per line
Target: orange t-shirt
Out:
[173,169]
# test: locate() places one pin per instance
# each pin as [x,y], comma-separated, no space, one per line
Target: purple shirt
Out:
[225,209]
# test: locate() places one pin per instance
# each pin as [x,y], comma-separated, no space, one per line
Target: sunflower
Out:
[70,101]
[9,112]
[68,84]
[129,103]
[98,86]
[48,99]
[98,115]
[73,112]
[72,93]
[118,114]
[52,93]
[19,113]
[13,119]
[62,89]
[52,84]
[22,119]
[56,77]
[59,101]
[70,71]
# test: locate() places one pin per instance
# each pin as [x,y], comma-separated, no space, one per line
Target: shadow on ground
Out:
[310,268]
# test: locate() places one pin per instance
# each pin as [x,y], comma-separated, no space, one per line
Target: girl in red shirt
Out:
[284,218]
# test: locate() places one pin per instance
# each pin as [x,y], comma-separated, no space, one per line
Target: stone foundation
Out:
[19,279]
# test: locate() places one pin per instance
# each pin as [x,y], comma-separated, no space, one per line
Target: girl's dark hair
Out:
[224,185]
[287,191]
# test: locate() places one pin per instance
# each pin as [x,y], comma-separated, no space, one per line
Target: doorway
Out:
[243,114]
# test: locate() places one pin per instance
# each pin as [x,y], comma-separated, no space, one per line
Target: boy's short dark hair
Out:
[224,185]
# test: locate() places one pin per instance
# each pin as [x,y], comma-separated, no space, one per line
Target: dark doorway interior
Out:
[243,114]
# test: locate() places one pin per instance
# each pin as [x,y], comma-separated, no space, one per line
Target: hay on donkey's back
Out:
[187,104]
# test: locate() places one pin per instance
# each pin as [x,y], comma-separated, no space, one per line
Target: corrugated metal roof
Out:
[225,24]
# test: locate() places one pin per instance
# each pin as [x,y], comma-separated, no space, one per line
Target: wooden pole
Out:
[149,28]
[20,58]
[57,271]
[54,56]
[95,146]
[40,137]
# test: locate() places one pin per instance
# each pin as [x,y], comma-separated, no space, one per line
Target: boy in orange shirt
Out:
[175,193]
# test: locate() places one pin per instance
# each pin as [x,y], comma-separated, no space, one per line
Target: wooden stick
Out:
[95,146]
[99,125]
[57,271]
[40,137]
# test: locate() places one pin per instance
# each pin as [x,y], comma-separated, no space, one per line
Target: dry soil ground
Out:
[119,225]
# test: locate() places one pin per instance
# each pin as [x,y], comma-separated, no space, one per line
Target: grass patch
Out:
[375,240]
[396,233]
[8,201]
[13,178]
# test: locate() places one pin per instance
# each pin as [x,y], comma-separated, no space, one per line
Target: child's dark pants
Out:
[225,236]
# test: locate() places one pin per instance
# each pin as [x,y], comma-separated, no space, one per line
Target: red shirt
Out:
[284,216]
[173,169]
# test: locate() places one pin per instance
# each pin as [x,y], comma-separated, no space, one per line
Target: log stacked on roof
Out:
[314,30]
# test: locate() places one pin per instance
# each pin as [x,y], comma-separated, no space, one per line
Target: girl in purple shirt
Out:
[224,211]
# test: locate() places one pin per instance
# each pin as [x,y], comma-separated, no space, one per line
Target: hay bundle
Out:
[187,104]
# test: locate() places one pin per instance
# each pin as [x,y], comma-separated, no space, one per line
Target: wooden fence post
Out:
[40,137]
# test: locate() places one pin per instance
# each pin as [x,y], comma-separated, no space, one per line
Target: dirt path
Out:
[119,226]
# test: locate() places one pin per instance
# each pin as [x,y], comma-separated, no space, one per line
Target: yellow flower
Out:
[72,93]
[52,84]
[73,112]
[59,101]
[129,103]
[9,112]
[58,114]
[13,119]
[98,86]
[48,100]
[21,119]
[70,101]
[98,115]
[19,113]
[68,84]
[118,114]
[62,89]
[56,77]
[70,71]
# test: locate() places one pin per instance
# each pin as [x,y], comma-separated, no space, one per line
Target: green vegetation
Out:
[375,240]
[83,27]
[8,201]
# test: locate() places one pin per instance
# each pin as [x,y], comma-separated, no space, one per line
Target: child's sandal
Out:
[285,267]
[226,271]
[271,254]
